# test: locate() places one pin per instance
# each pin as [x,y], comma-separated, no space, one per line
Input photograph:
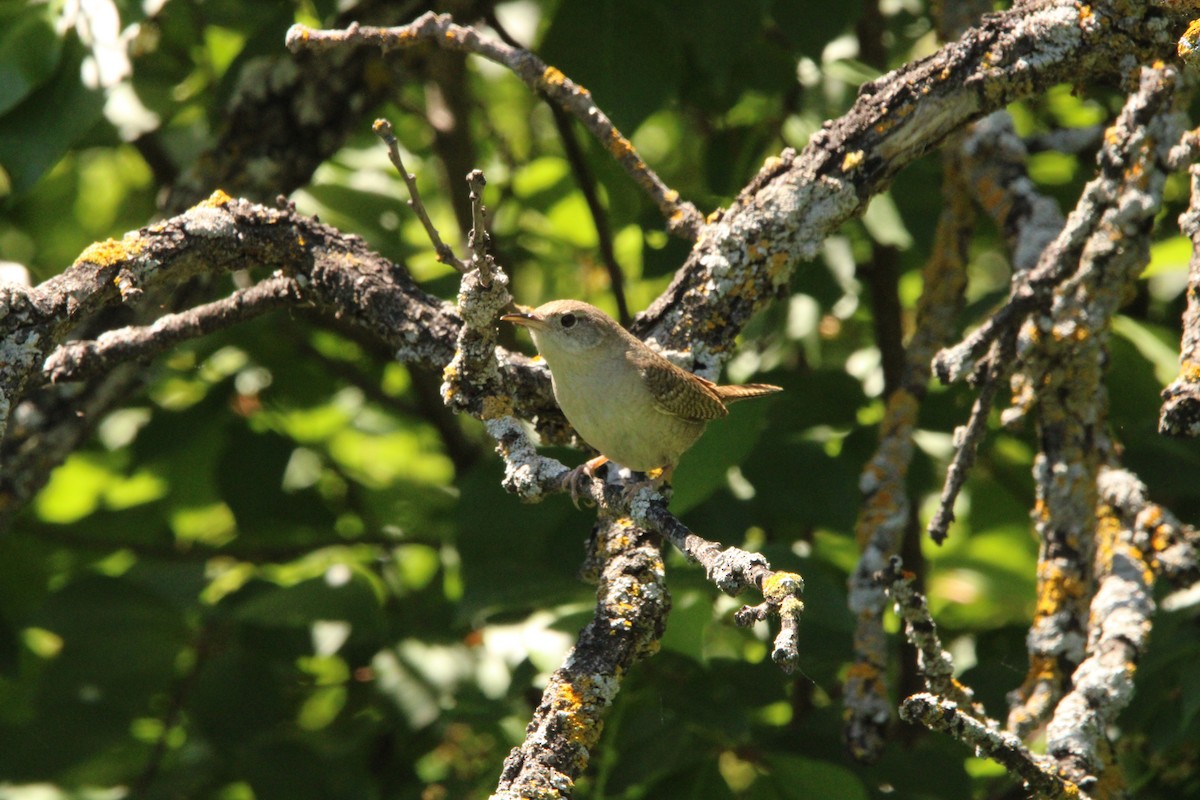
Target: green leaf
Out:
[624,51]
[810,27]
[803,778]
[36,133]
[1168,256]
[267,605]
[29,52]
[517,556]
[725,444]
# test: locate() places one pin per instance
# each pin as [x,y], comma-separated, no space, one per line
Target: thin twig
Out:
[967,438]
[682,217]
[383,129]
[479,240]
[586,182]
[79,360]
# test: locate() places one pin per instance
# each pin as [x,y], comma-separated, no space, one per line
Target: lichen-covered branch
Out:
[1172,549]
[936,665]
[287,116]
[1118,631]
[631,609]
[781,218]
[1180,414]
[1095,260]
[995,162]
[732,570]
[336,274]
[1003,748]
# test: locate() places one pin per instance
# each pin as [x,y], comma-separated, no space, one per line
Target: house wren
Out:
[627,401]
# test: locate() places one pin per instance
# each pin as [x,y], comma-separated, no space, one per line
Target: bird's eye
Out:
[567,320]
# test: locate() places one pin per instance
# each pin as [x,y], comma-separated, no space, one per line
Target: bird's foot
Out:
[573,481]
[659,480]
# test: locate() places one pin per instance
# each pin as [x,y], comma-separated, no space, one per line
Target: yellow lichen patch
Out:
[852,160]
[864,671]
[450,381]
[570,705]
[552,76]
[1162,538]
[1044,668]
[1190,371]
[1056,589]
[217,199]
[902,412]
[110,251]
[671,196]
[782,585]
[1188,42]
[619,146]
[496,406]
[777,266]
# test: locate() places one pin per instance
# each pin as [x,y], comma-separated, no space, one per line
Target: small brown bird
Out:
[627,401]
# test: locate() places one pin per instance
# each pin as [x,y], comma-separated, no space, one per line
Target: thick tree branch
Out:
[1061,351]
[787,211]
[631,611]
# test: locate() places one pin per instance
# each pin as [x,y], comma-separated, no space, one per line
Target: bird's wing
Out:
[677,391]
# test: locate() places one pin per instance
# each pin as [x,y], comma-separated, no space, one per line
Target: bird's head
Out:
[568,327]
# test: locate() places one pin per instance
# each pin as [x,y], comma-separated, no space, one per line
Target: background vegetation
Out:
[282,570]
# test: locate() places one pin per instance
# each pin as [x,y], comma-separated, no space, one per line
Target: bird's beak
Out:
[528,320]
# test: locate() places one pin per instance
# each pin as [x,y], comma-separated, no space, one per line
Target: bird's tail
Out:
[731,394]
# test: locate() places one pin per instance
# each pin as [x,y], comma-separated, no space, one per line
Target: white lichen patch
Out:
[209,223]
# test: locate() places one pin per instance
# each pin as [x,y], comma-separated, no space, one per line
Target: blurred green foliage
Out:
[274,575]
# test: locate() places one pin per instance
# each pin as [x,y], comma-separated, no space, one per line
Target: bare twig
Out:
[83,359]
[967,438]
[383,129]
[682,217]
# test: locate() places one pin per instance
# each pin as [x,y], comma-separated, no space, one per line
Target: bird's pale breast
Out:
[614,412]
